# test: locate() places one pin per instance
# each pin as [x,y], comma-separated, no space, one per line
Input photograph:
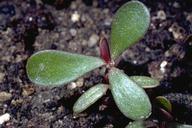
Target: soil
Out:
[76,26]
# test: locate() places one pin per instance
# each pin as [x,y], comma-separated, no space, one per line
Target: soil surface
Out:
[28,26]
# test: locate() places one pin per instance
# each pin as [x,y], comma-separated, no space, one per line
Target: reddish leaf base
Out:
[104,50]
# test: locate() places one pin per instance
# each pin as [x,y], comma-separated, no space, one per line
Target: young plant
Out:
[55,68]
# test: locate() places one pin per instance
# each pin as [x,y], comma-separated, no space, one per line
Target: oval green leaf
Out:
[54,68]
[130,24]
[89,97]
[130,98]
[145,81]
[136,124]
[164,103]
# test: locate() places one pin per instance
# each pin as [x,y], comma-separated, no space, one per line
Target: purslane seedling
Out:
[55,68]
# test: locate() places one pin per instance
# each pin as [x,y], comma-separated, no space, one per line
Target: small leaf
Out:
[104,50]
[130,98]
[130,23]
[55,68]
[145,82]
[136,124]
[89,97]
[164,103]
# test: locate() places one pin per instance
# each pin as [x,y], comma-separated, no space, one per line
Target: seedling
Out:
[55,68]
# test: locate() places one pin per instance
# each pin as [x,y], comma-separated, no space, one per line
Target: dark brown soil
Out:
[28,26]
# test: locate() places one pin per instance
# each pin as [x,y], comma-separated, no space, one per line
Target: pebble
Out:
[161,15]
[73,32]
[177,31]
[17,102]
[71,86]
[93,40]
[27,91]
[75,17]
[108,21]
[4,118]
[5,96]
[80,82]
[162,66]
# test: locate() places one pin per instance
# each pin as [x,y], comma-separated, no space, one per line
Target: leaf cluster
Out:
[55,68]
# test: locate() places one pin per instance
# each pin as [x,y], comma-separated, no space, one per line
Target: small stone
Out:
[73,32]
[134,62]
[75,17]
[5,96]
[177,31]
[72,86]
[4,118]
[93,40]
[20,58]
[154,70]
[27,91]
[108,21]
[161,15]
[162,66]
[80,82]
[17,102]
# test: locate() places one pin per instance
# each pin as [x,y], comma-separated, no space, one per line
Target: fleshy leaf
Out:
[145,81]
[130,24]
[164,103]
[136,124]
[54,68]
[130,98]
[89,97]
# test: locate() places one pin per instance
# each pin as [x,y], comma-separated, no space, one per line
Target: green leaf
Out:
[130,98]
[164,103]
[130,24]
[54,68]
[136,124]
[144,81]
[89,97]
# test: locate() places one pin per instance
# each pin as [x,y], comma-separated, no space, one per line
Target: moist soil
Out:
[28,26]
